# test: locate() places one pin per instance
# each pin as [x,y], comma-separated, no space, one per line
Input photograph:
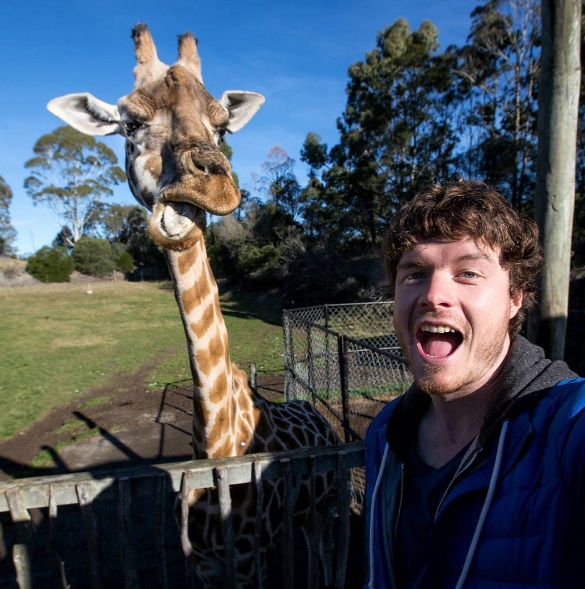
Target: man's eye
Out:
[413,277]
[131,127]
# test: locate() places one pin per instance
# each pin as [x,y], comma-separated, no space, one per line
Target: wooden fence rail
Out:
[120,520]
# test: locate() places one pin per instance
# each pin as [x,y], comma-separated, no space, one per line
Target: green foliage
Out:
[93,256]
[64,238]
[125,263]
[139,244]
[397,120]
[280,184]
[255,248]
[50,264]
[7,231]
[497,80]
[115,219]
[254,259]
[70,173]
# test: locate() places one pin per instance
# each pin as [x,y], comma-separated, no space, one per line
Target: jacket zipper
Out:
[460,470]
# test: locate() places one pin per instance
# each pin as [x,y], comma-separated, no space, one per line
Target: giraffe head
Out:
[172,127]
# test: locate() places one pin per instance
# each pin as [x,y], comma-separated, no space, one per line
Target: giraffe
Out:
[172,128]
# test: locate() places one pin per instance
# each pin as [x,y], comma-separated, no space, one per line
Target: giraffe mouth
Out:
[178,218]
[175,225]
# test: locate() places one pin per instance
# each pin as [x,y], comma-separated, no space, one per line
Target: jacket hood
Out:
[527,374]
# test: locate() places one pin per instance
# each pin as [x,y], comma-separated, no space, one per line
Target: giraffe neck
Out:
[222,401]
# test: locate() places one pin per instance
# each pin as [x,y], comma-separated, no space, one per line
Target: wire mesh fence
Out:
[346,360]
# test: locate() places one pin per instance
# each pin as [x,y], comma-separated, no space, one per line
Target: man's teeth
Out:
[438,329]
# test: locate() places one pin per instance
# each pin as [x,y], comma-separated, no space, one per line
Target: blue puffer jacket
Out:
[514,514]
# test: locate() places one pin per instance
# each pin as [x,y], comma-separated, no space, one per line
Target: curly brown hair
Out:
[470,208]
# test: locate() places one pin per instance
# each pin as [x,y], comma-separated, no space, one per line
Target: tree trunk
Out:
[555,184]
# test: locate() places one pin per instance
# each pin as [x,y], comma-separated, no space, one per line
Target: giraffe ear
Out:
[87,114]
[242,106]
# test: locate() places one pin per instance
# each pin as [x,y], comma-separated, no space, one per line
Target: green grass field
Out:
[57,342]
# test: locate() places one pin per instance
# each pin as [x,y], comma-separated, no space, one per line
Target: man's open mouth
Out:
[438,341]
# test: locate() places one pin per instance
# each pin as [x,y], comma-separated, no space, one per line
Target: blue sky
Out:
[296,53]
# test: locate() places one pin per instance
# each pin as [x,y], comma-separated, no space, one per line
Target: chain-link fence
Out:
[345,359]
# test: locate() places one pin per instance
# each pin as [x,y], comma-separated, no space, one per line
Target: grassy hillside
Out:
[57,342]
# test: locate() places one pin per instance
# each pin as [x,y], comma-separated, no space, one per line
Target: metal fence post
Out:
[310,364]
[327,363]
[289,355]
[342,355]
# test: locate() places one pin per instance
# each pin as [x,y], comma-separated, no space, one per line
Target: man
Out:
[476,475]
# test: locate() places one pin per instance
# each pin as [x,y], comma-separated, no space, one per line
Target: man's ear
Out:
[87,114]
[242,106]
[516,303]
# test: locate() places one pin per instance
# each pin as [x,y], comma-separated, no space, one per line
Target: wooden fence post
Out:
[85,499]
[225,509]
[21,549]
[125,534]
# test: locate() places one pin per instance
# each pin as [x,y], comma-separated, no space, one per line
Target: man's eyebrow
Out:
[420,262]
[417,262]
[476,256]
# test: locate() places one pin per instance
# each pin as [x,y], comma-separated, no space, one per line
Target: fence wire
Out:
[346,360]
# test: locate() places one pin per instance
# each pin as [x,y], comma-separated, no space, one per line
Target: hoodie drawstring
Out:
[486,507]
[372,511]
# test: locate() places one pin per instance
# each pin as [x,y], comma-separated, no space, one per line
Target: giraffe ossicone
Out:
[172,127]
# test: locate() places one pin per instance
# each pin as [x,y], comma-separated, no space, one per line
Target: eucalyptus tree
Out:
[280,184]
[395,132]
[70,174]
[7,231]
[498,71]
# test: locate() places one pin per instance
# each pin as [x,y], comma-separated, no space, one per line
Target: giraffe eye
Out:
[130,128]
[221,134]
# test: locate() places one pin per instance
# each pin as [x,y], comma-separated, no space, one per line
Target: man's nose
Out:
[437,291]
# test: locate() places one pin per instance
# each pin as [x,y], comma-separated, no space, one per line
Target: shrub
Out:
[50,264]
[93,257]
[252,258]
[125,263]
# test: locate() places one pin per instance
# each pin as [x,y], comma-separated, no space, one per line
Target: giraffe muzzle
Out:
[176,225]
[216,194]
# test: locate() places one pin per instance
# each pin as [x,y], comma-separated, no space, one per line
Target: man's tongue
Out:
[440,345]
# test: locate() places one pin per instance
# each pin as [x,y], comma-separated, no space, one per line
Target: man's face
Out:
[451,314]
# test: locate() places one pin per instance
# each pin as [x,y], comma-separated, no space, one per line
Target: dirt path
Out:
[143,426]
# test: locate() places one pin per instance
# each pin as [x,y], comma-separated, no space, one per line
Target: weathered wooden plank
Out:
[225,509]
[85,497]
[35,491]
[159,528]
[257,473]
[289,503]
[185,543]
[342,544]
[312,531]
[125,535]
[54,542]
[21,548]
